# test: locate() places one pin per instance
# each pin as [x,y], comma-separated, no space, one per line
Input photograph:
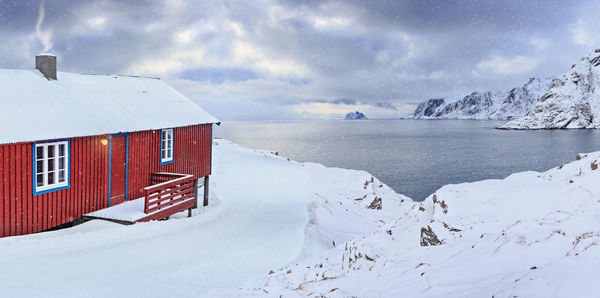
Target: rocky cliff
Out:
[572,101]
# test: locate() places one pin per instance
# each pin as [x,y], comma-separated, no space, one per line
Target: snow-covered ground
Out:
[529,235]
[278,227]
[266,211]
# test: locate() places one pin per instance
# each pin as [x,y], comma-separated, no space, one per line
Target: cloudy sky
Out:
[245,60]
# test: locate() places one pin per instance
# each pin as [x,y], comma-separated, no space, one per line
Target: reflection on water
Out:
[415,157]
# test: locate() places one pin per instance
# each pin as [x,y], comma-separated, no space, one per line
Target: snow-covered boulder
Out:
[573,100]
[356,116]
[488,105]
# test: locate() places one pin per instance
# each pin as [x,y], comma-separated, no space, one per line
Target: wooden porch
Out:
[170,193]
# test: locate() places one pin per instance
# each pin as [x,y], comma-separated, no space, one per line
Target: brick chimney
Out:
[46,64]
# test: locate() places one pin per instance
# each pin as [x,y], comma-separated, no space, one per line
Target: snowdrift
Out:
[531,234]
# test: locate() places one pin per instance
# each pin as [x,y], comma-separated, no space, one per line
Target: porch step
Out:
[130,212]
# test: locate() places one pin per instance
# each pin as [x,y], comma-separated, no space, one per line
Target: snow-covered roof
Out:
[33,108]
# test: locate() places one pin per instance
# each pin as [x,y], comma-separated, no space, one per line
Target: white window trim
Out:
[166,146]
[45,186]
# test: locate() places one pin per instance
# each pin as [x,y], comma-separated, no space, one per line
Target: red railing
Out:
[171,190]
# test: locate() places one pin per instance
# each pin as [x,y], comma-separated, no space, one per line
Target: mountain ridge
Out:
[485,105]
[572,100]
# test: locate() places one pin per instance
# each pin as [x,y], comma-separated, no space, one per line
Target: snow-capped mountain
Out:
[572,101]
[489,105]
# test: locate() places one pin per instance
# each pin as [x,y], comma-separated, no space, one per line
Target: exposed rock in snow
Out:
[485,105]
[429,108]
[428,237]
[356,116]
[573,100]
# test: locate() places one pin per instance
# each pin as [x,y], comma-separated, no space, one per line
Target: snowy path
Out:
[256,224]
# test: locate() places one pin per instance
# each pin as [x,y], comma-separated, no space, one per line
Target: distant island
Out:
[356,116]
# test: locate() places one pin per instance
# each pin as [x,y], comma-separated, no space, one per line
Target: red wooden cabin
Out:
[72,144]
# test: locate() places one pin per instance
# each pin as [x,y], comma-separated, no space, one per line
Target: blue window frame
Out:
[166,146]
[51,164]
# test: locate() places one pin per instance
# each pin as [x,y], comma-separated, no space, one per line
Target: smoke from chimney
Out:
[44,36]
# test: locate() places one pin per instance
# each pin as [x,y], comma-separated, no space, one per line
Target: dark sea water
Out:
[415,157]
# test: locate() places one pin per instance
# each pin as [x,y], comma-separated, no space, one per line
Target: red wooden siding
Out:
[22,213]
[191,155]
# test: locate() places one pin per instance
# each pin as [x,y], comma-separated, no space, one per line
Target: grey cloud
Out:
[380,53]
[219,75]
[340,101]
[386,105]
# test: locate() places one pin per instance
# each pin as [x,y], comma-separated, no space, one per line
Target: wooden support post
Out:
[206,191]
[195,195]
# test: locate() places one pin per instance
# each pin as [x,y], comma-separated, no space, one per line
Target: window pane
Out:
[163,133]
[51,151]
[39,166]
[61,176]
[39,154]
[61,163]
[39,180]
[50,178]
[51,164]
[163,154]
[169,154]
[61,150]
